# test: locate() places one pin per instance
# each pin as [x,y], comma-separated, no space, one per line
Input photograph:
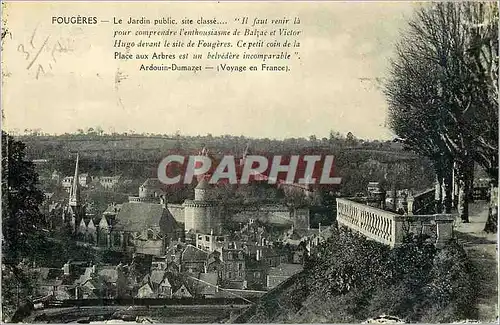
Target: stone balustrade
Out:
[423,202]
[390,228]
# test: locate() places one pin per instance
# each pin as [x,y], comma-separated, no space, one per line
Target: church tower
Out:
[74,192]
[75,210]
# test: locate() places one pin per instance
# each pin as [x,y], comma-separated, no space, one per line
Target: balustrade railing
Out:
[390,228]
[422,203]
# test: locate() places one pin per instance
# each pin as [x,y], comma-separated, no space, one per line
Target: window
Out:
[207,238]
[257,275]
[151,234]
[240,266]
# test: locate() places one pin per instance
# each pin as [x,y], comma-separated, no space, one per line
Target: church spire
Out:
[74,193]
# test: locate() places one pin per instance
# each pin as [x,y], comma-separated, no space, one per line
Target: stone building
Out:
[139,227]
[202,215]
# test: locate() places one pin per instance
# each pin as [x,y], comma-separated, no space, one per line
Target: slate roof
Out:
[139,216]
[209,284]
[203,184]
[187,292]
[49,273]
[285,270]
[194,254]
[152,183]
[112,209]
[157,276]
[109,275]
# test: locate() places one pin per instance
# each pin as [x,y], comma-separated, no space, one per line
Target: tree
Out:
[439,95]
[21,217]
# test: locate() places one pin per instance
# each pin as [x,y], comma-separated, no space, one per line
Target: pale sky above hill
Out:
[345,46]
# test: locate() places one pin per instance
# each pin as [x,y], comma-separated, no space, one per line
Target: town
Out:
[203,247]
[121,206]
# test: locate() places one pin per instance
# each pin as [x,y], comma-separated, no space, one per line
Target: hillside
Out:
[137,156]
[350,280]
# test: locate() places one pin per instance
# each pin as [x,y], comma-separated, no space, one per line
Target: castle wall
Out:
[267,214]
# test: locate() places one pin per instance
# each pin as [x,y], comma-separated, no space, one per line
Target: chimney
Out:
[319,226]
[258,255]
[94,269]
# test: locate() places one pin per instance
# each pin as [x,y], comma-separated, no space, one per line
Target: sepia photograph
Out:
[249,162]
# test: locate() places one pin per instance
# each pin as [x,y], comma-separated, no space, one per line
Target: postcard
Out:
[249,162]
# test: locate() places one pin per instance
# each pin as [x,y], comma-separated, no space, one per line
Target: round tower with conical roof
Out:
[202,215]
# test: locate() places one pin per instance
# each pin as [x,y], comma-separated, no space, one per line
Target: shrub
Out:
[350,279]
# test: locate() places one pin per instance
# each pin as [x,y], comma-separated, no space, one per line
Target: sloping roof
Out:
[46,273]
[112,209]
[213,259]
[139,216]
[157,276]
[175,249]
[208,283]
[202,184]
[168,224]
[186,292]
[109,274]
[194,254]
[84,277]
[152,183]
[285,270]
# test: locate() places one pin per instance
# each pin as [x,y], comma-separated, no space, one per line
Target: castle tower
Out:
[201,190]
[201,214]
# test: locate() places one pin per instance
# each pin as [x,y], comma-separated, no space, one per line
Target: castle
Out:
[147,223]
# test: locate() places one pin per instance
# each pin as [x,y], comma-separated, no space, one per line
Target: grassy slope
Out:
[358,279]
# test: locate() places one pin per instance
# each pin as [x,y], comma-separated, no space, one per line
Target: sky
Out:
[344,47]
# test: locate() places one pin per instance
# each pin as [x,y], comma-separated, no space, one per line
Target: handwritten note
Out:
[41,52]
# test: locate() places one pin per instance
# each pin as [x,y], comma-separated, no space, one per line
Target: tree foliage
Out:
[442,89]
[21,198]
[349,279]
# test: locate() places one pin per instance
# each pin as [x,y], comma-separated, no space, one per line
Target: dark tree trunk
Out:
[471,169]
[463,202]
[438,198]
[447,190]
